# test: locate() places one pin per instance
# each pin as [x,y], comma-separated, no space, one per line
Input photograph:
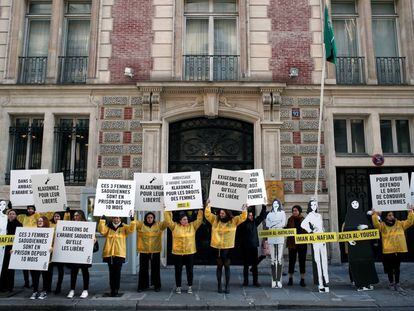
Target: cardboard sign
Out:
[49,193]
[6,240]
[390,192]
[256,194]
[31,248]
[310,238]
[275,190]
[74,242]
[359,235]
[272,233]
[182,191]
[21,193]
[149,192]
[228,189]
[114,197]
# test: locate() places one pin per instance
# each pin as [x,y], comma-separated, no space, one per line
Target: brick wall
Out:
[290,39]
[131,40]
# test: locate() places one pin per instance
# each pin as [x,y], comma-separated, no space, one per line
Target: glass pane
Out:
[225,6]
[345,37]
[79,8]
[196,37]
[343,7]
[40,8]
[38,43]
[382,8]
[358,136]
[194,6]
[385,38]
[386,136]
[20,122]
[341,144]
[225,37]
[35,160]
[77,43]
[403,136]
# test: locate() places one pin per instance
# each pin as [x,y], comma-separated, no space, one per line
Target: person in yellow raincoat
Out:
[183,246]
[223,234]
[114,250]
[394,244]
[149,234]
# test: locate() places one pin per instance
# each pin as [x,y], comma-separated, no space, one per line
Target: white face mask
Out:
[3,206]
[314,206]
[355,204]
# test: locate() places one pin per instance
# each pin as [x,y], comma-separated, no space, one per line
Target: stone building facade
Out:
[129,117]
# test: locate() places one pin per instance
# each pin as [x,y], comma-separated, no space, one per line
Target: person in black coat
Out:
[360,254]
[250,242]
[7,275]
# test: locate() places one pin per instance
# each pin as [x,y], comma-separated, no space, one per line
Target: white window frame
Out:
[394,133]
[348,120]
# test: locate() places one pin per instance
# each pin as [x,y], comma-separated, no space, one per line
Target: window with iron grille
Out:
[71,149]
[349,136]
[211,45]
[73,64]
[26,136]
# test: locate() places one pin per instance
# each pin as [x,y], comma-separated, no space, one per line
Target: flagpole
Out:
[318,150]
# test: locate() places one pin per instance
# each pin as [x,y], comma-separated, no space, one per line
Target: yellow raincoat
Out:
[115,244]
[149,238]
[183,236]
[223,233]
[393,237]
[31,221]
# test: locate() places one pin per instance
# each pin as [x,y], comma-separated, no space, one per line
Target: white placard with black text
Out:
[49,192]
[21,192]
[149,192]
[256,194]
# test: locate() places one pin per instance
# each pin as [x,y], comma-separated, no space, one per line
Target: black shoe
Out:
[26,285]
[257,284]
[245,283]
[227,290]
[58,290]
[157,289]
[302,282]
[290,283]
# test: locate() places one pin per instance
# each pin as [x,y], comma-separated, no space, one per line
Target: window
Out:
[395,136]
[349,66]
[390,67]
[74,62]
[211,40]
[349,136]
[33,64]
[71,156]
[26,136]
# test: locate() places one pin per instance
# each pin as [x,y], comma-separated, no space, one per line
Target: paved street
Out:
[205,297]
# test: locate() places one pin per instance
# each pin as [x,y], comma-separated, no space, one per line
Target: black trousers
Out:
[115,267]
[179,262]
[223,260]
[7,275]
[299,251]
[74,270]
[143,275]
[392,264]
[36,279]
[61,272]
[250,259]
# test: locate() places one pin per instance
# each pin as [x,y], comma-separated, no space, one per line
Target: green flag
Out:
[329,39]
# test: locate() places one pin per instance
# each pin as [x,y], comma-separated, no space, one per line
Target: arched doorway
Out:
[201,144]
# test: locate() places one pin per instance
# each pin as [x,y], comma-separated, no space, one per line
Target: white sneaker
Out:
[84,294]
[178,290]
[71,294]
[273,284]
[279,284]
[189,290]
[34,296]
[42,296]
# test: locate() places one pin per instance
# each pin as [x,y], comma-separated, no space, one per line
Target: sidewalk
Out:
[205,297]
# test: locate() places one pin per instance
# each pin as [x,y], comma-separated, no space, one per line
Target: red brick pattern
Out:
[296,137]
[100,137]
[126,137]
[291,40]
[131,40]
[99,161]
[127,113]
[126,161]
[102,116]
[297,162]
[322,161]
[298,186]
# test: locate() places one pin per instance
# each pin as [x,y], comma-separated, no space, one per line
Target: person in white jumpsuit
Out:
[313,223]
[276,219]
[3,228]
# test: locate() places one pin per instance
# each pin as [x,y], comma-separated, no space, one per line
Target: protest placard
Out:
[21,193]
[277,233]
[390,192]
[74,242]
[149,193]
[228,189]
[114,197]
[182,191]
[6,240]
[256,194]
[31,248]
[49,193]
[309,238]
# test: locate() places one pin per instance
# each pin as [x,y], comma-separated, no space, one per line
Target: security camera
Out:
[129,72]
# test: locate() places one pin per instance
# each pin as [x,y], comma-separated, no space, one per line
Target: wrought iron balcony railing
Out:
[350,70]
[390,70]
[198,67]
[32,70]
[73,69]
